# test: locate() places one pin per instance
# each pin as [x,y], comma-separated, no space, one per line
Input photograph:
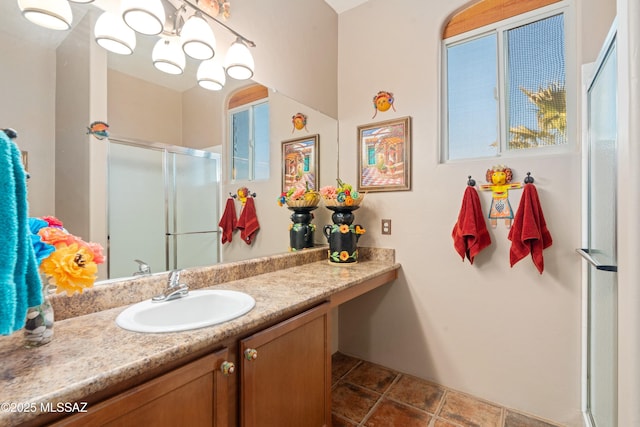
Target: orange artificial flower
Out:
[71,268]
[55,236]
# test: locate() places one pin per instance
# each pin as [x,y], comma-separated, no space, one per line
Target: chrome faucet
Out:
[174,289]
[143,268]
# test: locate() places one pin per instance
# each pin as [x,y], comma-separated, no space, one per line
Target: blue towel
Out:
[20,285]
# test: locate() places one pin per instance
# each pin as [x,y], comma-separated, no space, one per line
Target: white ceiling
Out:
[341,5]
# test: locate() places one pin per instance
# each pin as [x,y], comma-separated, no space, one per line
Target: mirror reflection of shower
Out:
[162,207]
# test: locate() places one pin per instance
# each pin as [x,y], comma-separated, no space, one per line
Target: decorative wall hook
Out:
[242,194]
[529,179]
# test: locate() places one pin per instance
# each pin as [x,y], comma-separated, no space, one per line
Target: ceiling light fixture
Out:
[211,74]
[239,62]
[197,38]
[52,14]
[168,56]
[193,36]
[114,35]
[144,16]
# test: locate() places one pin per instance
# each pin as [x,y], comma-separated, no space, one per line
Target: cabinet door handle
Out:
[251,354]
[227,368]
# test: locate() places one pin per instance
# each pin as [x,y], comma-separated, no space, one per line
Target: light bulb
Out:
[197,38]
[114,35]
[239,62]
[144,16]
[211,75]
[52,14]
[168,56]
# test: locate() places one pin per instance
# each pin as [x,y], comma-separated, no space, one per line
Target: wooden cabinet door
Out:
[288,383]
[193,395]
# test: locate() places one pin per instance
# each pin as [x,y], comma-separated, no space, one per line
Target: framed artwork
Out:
[300,163]
[384,156]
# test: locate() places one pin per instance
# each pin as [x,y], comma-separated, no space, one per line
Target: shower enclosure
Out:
[163,207]
[600,243]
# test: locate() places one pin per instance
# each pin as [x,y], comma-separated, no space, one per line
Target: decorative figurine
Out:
[99,129]
[243,193]
[299,122]
[500,178]
[382,102]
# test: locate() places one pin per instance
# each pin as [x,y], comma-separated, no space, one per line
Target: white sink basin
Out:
[198,309]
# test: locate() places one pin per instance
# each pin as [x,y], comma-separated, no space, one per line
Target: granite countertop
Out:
[90,353]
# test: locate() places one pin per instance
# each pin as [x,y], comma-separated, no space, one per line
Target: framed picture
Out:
[384,156]
[300,163]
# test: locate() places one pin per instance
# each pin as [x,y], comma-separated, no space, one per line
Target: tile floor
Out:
[369,395]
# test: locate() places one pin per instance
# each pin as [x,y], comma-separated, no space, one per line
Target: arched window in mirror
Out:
[248,117]
[504,79]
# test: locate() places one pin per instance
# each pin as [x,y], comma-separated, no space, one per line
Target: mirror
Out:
[45,84]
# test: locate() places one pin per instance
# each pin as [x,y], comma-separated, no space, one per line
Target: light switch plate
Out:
[386,226]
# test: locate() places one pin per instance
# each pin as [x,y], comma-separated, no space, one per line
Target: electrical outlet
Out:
[386,226]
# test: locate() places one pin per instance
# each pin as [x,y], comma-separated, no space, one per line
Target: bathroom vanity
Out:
[268,367]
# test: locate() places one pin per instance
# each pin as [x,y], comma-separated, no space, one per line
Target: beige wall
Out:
[72,186]
[628,208]
[141,110]
[510,335]
[28,86]
[296,48]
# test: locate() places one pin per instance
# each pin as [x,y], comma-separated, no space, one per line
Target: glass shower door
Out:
[602,299]
[136,209]
[193,215]
[163,207]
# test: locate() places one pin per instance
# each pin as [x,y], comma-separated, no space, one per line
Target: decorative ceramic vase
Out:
[342,235]
[301,231]
[38,329]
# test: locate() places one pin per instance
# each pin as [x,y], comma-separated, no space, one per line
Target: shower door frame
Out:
[166,150]
[595,264]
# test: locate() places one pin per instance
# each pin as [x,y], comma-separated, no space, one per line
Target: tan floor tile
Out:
[416,392]
[439,422]
[340,365]
[372,376]
[391,414]
[466,410]
[352,402]
[515,419]
[338,421]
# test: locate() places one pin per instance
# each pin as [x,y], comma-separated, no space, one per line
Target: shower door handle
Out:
[191,232]
[585,253]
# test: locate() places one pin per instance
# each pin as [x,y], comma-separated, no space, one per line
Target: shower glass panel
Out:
[601,239]
[193,214]
[163,207]
[136,209]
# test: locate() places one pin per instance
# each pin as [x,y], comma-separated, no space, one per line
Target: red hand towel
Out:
[248,221]
[228,221]
[529,233]
[470,234]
